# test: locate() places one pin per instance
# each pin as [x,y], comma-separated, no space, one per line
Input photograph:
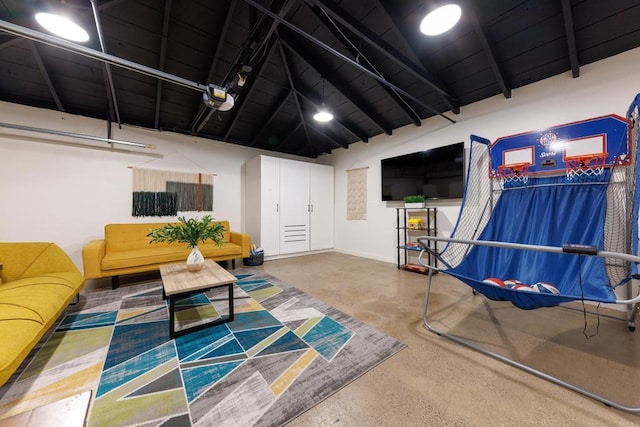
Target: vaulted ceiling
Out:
[148,62]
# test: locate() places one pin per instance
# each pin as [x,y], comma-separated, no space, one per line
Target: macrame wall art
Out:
[357,194]
[164,193]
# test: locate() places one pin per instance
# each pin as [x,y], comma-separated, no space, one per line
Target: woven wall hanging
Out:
[165,193]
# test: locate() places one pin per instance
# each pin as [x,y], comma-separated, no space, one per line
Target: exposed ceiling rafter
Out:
[163,55]
[383,47]
[263,40]
[11,42]
[305,93]
[100,56]
[348,60]
[369,54]
[112,99]
[333,79]
[279,105]
[291,132]
[201,108]
[567,14]
[488,50]
[45,75]
[364,60]
[248,88]
[326,133]
[287,70]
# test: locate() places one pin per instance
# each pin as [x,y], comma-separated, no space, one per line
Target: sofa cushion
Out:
[68,280]
[11,311]
[45,297]
[128,237]
[18,258]
[19,336]
[164,255]
[32,259]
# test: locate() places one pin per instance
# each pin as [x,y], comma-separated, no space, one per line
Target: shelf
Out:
[417,268]
[411,248]
[406,246]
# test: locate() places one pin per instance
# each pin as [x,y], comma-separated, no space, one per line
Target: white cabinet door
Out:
[321,206]
[294,206]
[269,205]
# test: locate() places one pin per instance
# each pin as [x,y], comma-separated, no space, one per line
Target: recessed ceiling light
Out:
[62,27]
[323,116]
[441,20]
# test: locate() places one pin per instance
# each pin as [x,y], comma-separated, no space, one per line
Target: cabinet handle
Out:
[277,207]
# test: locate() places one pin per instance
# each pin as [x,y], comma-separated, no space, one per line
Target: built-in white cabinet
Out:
[294,207]
[288,205]
[321,206]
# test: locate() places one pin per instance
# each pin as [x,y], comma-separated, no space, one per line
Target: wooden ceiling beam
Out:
[386,49]
[488,50]
[347,59]
[292,84]
[567,14]
[163,55]
[325,72]
[45,75]
[409,112]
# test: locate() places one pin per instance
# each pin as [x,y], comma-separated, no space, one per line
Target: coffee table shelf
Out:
[177,281]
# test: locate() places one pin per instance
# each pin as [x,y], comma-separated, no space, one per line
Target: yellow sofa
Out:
[126,249]
[37,282]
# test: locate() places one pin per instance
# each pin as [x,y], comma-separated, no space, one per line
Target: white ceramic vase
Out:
[195,260]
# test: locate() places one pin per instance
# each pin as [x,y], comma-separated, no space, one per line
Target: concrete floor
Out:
[437,382]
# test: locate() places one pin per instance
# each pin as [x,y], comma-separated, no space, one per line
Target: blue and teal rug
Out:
[284,353]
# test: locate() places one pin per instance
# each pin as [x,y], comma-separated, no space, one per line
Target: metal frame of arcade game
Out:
[593,156]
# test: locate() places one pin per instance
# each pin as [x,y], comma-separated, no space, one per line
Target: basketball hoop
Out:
[518,173]
[589,165]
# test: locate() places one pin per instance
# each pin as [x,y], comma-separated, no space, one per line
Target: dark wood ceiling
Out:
[365,60]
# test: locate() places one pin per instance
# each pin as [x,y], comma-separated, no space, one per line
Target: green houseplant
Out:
[190,231]
[416,201]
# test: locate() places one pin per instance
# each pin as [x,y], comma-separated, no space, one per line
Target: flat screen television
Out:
[437,173]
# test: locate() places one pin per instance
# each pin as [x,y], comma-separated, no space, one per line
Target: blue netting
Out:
[546,211]
[548,215]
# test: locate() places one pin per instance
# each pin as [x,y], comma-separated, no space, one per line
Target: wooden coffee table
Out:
[177,281]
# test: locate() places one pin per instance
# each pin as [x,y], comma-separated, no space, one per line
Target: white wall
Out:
[606,87]
[65,194]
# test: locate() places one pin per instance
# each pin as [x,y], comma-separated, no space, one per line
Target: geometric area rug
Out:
[284,352]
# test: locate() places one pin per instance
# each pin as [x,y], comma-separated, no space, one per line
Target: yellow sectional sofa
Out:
[126,249]
[37,282]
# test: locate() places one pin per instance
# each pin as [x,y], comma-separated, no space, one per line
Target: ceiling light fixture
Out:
[323,115]
[63,27]
[440,20]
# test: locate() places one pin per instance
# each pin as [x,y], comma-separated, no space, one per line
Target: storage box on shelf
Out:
[411,224]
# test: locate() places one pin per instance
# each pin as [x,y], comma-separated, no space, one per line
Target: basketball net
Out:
[585,166]
[516,173]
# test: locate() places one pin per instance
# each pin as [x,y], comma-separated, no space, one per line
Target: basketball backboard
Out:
[546,151]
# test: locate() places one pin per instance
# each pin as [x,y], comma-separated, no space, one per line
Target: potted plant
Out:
[416,201]
[191,232]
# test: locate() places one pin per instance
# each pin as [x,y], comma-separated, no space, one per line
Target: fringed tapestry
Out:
[357,194]
[165,193]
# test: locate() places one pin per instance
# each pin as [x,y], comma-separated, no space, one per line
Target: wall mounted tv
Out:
[437,173]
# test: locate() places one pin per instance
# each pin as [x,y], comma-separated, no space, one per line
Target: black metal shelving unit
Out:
[406,236]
